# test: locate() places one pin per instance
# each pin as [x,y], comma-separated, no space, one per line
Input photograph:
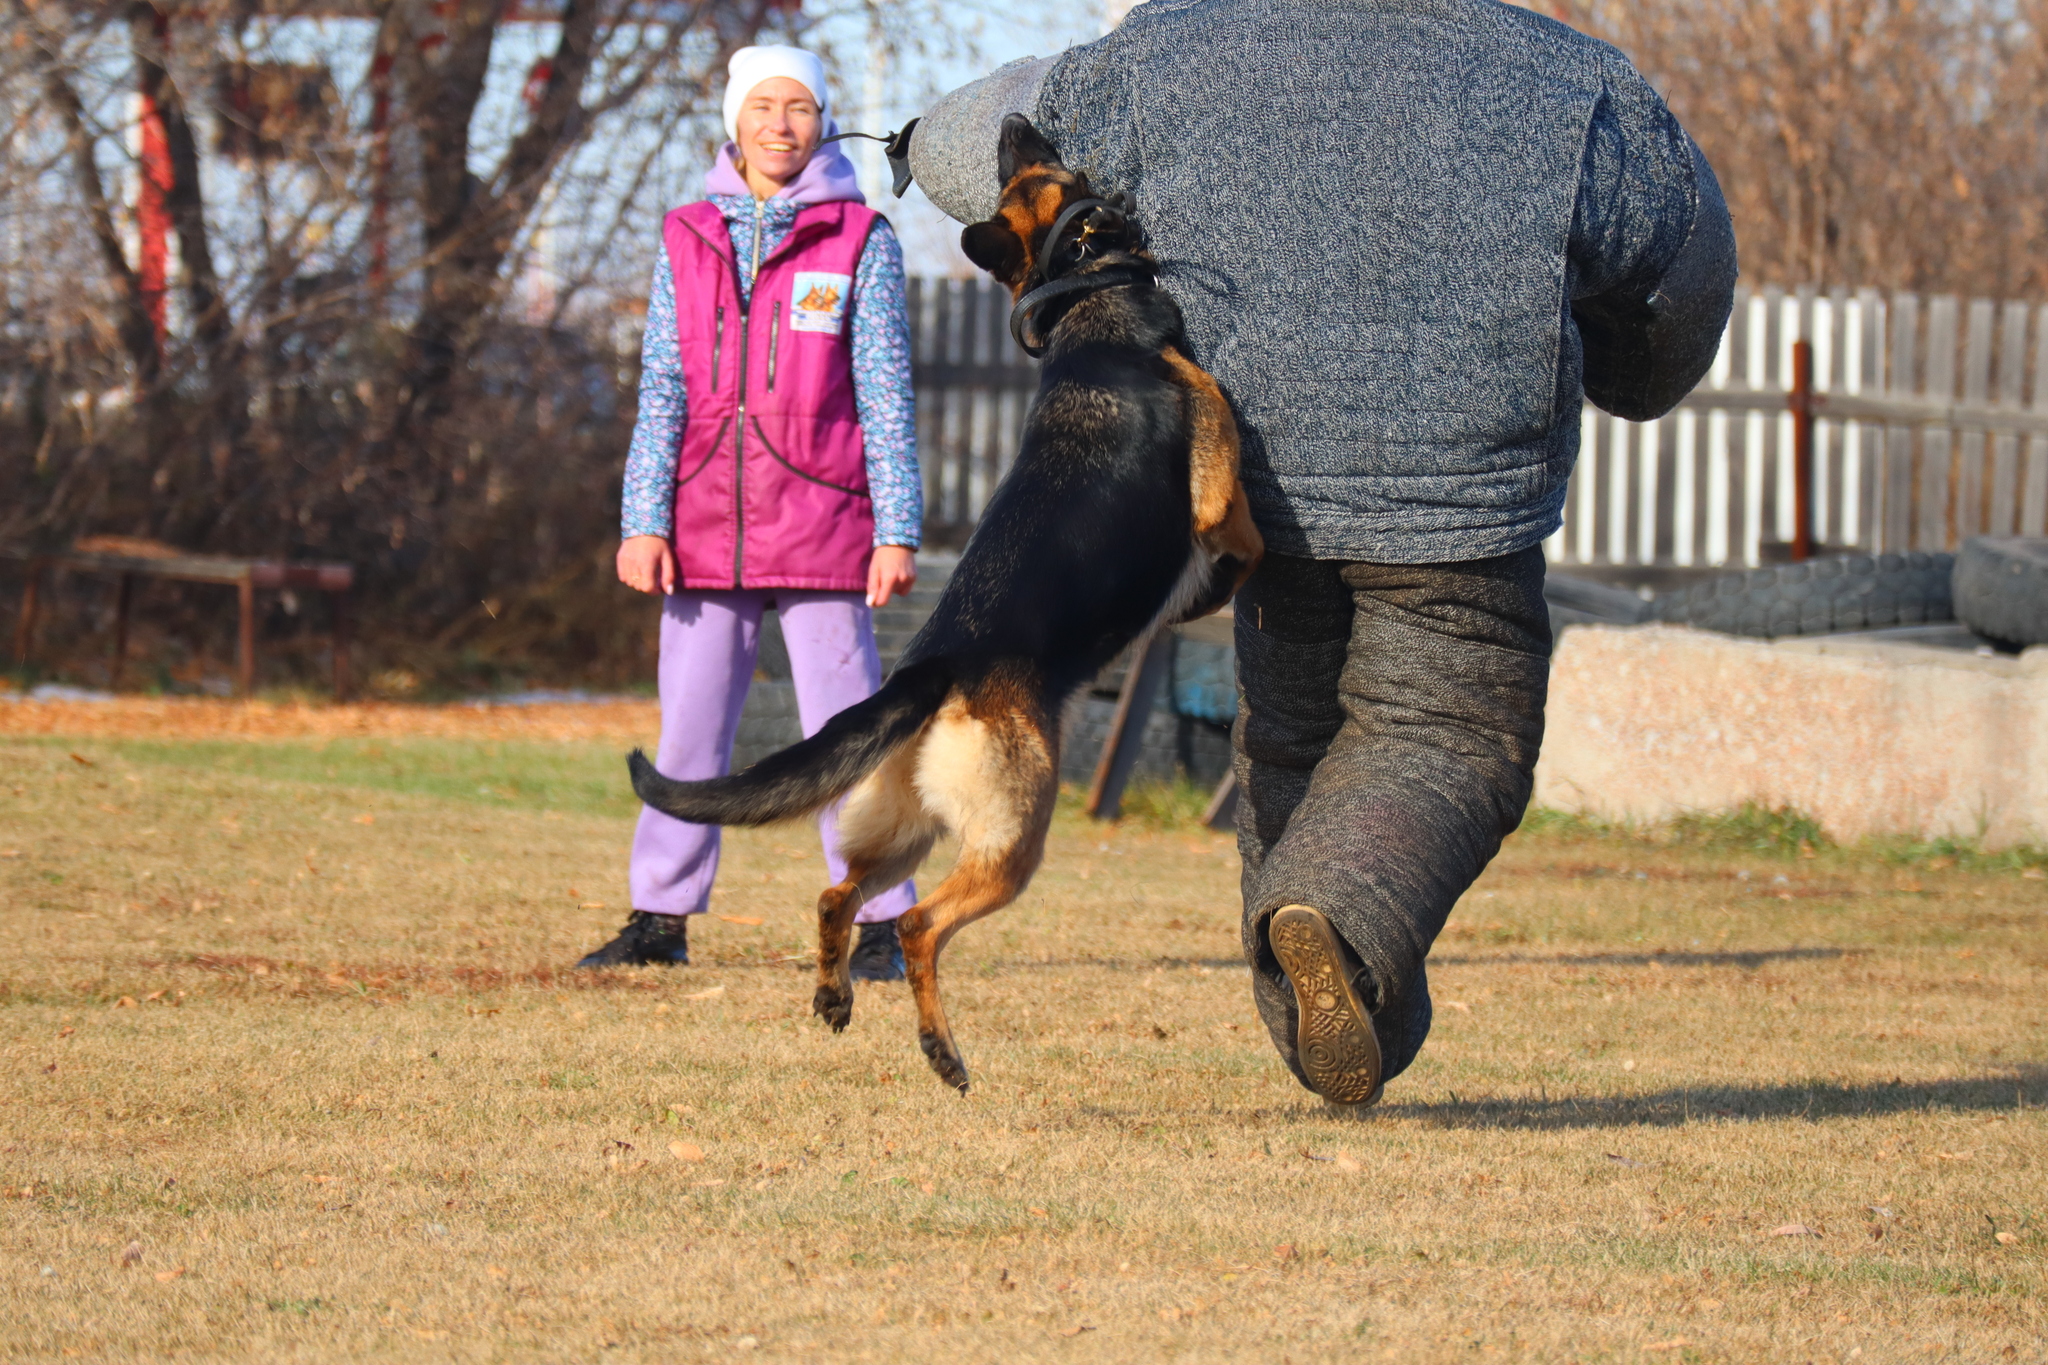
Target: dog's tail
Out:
[812,772]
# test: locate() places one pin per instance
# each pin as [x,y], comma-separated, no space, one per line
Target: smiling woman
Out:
[773,464]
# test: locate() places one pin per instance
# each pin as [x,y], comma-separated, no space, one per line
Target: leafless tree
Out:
[349,369]
[1889,143]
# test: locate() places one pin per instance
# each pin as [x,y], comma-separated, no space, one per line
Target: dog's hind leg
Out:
[994,778]
[884,833]
[1223,530]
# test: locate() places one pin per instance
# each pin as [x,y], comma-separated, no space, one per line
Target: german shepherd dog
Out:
[1123,509]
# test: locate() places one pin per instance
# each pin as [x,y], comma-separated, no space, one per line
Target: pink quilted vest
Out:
[771,486]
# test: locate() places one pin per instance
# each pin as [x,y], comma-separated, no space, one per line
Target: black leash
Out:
[896,146]
[1022,325]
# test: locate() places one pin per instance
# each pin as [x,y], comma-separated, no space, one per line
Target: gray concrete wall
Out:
[1870,738]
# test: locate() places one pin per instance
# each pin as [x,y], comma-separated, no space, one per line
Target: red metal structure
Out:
[152,212]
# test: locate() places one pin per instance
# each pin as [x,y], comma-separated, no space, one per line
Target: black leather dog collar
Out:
[1109,277]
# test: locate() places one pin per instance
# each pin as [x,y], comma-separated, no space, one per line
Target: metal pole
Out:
[1151,661]
[245,636]
[122,603]
[1802,402]
[338,610]
[31,602]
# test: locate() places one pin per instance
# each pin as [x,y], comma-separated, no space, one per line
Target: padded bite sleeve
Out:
[953,151]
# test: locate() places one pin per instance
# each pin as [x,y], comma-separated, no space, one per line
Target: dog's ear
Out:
[993,247]
[1021,145]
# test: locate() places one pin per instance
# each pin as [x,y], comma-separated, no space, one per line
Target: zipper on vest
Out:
[739,463]
[717,345]
[774,332]
[739,428]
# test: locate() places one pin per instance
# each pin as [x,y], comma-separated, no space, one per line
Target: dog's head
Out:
[1037,188]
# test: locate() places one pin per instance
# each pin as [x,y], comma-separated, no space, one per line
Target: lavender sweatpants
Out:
[708,644]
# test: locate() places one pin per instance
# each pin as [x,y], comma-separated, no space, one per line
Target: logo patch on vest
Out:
[817,301]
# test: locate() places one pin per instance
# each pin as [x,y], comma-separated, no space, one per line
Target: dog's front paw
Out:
[834,1006]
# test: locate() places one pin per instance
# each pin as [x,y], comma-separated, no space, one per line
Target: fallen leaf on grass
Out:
[1880,1210]
[1457,1005]
[1618,1159]
[749,920]
[2006,1239]
[1077,1329]
[366,819]
[591,905]
[1347,1162]
[126,1002]
[1955,1156]
[81,758]
[132,1254]
[705,995]
[496,1272]
[1037,1212]
[10,853]
[1675,1344]
[685,1151]
[704,1184]
[1794,1230]
[166,1276]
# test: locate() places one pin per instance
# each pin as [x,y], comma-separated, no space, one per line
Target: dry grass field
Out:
[293,1070]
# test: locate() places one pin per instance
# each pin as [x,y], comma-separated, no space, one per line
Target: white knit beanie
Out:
[752,65]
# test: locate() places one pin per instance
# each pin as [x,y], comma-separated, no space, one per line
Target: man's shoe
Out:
[647,939]
[878,955]
[1339,1052]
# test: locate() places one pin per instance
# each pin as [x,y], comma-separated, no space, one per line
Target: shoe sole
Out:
[1339,1052]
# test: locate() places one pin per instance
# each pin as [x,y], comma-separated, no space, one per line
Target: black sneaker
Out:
[1338,1050]
[878,956]
[647,939]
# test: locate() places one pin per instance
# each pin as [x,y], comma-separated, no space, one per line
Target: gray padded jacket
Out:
[1410,237]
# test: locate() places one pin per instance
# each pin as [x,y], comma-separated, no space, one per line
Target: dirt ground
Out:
[294,1070]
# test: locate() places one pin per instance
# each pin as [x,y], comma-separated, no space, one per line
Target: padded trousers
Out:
[1388,722]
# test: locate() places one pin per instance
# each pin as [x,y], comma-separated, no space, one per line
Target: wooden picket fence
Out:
[973,385]
[1929,425]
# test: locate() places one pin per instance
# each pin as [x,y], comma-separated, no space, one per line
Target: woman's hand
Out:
[647,564]
[891,572]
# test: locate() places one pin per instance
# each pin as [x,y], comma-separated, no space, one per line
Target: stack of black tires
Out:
[1997,587]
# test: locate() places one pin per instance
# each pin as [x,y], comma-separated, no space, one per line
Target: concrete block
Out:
[1871,738]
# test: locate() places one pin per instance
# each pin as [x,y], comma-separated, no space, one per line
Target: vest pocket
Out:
[710,449]
[776,455]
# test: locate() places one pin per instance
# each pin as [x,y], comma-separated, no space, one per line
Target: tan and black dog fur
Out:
[1123,509]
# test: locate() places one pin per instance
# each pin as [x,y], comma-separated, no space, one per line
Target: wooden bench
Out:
[128,559]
